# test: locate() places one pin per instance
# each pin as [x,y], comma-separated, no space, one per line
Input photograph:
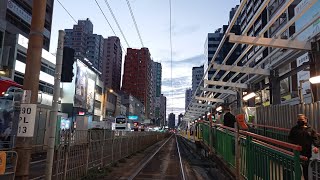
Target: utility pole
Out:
[31,82]
[55,106]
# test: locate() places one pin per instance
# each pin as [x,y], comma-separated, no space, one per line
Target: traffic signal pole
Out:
[31,82]
[55,108]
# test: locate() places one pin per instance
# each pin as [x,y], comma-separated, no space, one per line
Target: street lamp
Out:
[249,96]
[111,90]
[315,80]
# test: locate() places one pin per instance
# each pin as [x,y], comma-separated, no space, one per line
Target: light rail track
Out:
[165,163]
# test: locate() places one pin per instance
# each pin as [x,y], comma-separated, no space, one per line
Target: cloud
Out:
[182,30]
[181,80]
[185,30]
[181,68]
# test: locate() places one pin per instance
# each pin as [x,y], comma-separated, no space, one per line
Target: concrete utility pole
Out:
[31,82]
[55,106]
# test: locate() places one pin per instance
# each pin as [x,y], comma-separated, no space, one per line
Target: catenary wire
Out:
[135,22]
[115,19]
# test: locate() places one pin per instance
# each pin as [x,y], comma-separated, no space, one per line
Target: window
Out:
[97,104]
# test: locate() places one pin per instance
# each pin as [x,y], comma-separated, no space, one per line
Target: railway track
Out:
[202,166]
[165,163]
[171,159]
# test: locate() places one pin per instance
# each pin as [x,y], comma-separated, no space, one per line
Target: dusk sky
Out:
[191,21]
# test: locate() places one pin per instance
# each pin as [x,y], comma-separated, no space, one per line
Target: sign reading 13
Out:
[27,120]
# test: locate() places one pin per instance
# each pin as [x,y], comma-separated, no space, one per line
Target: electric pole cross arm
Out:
[230,84]
[241,69]
[270,42]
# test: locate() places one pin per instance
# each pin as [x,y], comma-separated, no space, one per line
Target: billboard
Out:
[84,87]
[91,84]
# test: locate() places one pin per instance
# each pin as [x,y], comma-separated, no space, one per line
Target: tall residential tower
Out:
[86,44]
[137,76]
[111,63]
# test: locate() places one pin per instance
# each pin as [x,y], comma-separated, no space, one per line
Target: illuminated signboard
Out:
[133,117]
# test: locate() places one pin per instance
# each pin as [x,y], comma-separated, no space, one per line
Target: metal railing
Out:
[261,157]
[81,151]
[280,134]
[9,164]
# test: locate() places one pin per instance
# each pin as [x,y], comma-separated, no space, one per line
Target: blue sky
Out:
[191,21]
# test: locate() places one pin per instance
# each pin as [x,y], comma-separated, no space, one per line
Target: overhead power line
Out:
[135,23]
[67,11]
[115,19]
[171,56]
[105,17]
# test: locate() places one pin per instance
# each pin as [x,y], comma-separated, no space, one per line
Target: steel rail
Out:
[181,165]
[140,168]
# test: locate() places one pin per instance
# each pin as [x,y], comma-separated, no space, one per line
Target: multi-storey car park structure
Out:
[270,40]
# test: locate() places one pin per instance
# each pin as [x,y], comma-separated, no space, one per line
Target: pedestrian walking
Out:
[228,118]
[304,135]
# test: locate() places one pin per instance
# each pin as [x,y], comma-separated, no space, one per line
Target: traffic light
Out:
[67,65]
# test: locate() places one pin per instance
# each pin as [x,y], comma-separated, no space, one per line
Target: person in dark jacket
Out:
[228,118]
[304,135]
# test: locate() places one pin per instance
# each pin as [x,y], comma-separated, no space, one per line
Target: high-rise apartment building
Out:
[232,13]
[163,110]
[197,74]
[111,63]
[156,75]
[180,117]
[15,18]
[172,121]
[137,76]
[210,48]
[211,45]
[86,44]
[157,71]
[95,50]
[188,97]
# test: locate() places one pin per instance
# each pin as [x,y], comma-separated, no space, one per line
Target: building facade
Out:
[111,63]
[210,47]
[137,76]
[88,46]
[188,97]
[15,18]
[95,50]
[163,110]
[171,121]
[157,75]
[180,118]
[157,71]
[133,107]
[197,74]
